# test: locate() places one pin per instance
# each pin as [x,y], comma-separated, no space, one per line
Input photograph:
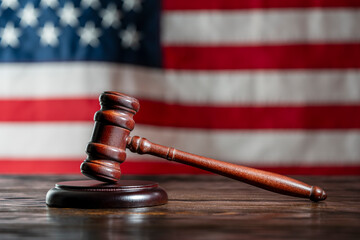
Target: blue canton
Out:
[81,30]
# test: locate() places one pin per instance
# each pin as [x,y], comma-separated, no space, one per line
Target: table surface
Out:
[199,207]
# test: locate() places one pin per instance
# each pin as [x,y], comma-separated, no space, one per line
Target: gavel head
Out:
[106,149]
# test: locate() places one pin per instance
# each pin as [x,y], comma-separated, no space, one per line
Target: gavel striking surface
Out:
[95,194]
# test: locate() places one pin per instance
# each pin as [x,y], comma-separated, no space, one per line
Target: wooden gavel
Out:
[111,137]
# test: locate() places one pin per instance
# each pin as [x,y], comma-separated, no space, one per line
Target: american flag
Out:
[270,84]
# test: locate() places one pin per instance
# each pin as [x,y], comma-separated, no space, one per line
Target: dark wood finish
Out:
[106,151]
[113,123]
[266,180]
[199,207]
[96,194]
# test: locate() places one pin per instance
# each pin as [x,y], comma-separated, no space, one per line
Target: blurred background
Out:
[269,84]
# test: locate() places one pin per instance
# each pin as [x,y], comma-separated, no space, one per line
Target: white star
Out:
[9,35]
[29,15]
[13,4]
[110,16]
[89,34]
[49,35]
[94,4]
[132,5]
[69,15]
[130,38]
[49,3]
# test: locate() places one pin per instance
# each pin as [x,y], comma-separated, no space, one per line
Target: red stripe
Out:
[206,117]
[250,117]
[35,110]
[255,4]
[301,56]
[57,166]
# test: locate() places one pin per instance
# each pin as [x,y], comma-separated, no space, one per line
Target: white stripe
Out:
[61,80]
[254,27]
[40,139]
[63,140]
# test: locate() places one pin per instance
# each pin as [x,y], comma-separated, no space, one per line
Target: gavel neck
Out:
[141,145]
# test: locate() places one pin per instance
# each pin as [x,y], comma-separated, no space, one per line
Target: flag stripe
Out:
[44,139]
[260,27]
[61,166]
[278,148]
[48,110]
[262,147]
[255,4]
[250,117]
[303,56]
[23,81]
[206,117]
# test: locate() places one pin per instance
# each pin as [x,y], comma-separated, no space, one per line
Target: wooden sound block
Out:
[96,194]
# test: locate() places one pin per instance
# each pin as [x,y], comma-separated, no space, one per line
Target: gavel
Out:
[111,136]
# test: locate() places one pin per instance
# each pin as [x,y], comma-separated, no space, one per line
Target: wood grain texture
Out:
[199,207]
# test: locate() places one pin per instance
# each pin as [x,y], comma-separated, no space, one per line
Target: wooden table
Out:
[200,207]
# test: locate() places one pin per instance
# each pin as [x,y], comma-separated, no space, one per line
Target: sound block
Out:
[96,194]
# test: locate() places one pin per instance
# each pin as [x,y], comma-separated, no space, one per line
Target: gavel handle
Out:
[266,180]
